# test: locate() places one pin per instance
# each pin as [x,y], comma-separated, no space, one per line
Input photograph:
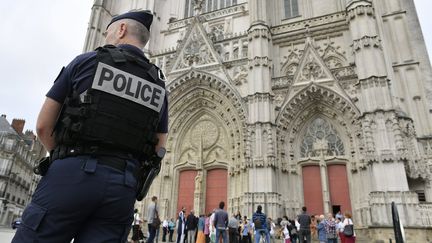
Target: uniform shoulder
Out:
[85,56]
[82,60]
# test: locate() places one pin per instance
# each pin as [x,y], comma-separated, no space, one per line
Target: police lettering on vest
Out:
[128,86]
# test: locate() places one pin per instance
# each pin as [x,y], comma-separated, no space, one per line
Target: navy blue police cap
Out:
[144,17]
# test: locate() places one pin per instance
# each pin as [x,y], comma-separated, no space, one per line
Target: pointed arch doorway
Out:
[324,172]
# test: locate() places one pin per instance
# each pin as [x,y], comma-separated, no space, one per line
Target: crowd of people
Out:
[219,227]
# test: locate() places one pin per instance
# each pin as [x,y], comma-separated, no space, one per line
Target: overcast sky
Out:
[39,37]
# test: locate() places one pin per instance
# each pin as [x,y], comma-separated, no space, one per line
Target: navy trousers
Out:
[82,200]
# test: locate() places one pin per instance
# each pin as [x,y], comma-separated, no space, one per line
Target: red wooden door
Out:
[186,190]
[312,189]
[216,189]
[338,185]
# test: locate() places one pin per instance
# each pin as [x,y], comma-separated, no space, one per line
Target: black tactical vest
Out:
[120,111]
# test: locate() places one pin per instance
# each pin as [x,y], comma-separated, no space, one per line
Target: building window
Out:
[208,6]
[291,8]
[321,136]
[421,196]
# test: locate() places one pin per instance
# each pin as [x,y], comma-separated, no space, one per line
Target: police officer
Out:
[105,113]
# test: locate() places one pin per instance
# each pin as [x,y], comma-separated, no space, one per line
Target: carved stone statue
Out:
[198,182]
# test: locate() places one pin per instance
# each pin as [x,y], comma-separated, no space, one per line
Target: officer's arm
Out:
[46,122]
[162,137]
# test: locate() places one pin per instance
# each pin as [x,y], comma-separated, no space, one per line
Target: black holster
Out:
[147,172]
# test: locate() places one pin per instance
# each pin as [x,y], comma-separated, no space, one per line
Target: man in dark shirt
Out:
[191,226]
[221,223]
[90,197]
[304,220]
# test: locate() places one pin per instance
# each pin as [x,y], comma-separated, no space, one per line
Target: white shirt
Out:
[297,225]
[211,227]
[339,226]
[286,232]
[165,223]
[137,219]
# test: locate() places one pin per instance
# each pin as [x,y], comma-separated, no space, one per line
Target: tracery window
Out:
[291,8]
[208,6]
[321,135]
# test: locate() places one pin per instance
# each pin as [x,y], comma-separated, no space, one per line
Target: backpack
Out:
[257,224]
[349,229]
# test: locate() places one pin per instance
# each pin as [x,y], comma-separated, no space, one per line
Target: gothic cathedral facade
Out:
[285,103]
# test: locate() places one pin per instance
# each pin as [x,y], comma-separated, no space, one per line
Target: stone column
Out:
[387,171]
[261,118]
[321,148]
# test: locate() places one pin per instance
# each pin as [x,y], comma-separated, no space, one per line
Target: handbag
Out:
[348,230]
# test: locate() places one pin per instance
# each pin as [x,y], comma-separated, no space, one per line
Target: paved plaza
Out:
[6,235]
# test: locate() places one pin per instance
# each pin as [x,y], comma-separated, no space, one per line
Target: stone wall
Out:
[384,234]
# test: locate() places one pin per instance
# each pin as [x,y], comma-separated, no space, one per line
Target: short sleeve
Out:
[78,70]
[163,122]
[61,86]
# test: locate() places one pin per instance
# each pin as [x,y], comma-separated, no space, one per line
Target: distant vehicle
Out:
[16,223]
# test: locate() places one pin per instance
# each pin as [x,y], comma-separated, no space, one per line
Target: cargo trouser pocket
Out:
[33,216]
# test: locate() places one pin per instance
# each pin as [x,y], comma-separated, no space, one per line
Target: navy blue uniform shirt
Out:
[80,73]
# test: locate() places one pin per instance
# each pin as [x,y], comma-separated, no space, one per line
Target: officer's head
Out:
[129,28]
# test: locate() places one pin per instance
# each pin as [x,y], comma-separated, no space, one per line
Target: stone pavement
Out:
[6,234]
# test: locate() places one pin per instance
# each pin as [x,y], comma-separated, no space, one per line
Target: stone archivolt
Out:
[200,100]
[306,104]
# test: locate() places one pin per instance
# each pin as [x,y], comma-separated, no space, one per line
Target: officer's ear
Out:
[121,32]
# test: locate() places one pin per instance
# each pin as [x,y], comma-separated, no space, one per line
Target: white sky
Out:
[39,37]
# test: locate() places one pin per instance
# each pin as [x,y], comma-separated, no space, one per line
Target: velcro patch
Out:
[128,86]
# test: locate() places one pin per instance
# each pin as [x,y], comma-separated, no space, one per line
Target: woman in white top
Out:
[348,223]
[286,234]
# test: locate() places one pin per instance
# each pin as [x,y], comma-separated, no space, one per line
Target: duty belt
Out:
[61,152]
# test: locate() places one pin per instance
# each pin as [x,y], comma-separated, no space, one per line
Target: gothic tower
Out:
[286,103]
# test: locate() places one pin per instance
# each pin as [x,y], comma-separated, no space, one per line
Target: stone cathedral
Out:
[285,103]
